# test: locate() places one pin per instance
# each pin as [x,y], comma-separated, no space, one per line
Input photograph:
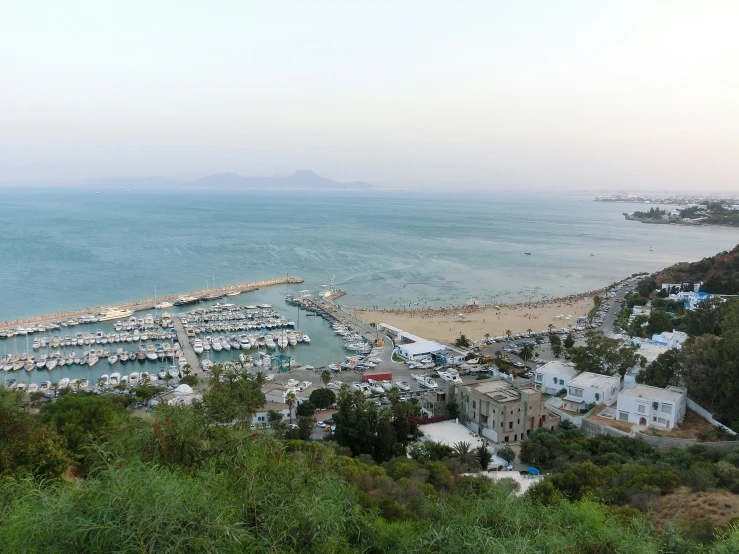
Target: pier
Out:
[184,341]
[148,304]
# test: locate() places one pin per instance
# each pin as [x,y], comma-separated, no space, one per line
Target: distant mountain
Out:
[299,180]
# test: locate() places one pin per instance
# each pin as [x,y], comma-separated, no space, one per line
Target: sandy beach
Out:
[446,324]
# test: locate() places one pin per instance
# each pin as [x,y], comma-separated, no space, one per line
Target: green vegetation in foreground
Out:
[183,481]
[706,213]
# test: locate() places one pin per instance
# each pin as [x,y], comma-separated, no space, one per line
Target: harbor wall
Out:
[149,303]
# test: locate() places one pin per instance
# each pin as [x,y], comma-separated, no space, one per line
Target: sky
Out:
[637,95]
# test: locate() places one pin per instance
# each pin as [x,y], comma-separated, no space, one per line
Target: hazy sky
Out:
[538,94]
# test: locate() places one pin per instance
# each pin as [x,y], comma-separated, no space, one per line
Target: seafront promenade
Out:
[148,304]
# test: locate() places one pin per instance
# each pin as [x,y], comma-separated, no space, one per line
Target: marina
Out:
[158,342]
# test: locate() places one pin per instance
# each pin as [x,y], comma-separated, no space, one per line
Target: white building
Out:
[421,349]
[652,406]
[554,376]
[673,339]
[592,388]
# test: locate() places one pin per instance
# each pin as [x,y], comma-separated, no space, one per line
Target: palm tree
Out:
[526,352]
[508,333]
[186,369]
[466,455]
[394,396]
[326,377]
[260,378]
[550,327]
[290,401]
[529,330]
[487,335]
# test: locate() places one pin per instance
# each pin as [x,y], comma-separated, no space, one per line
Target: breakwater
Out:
[148,304]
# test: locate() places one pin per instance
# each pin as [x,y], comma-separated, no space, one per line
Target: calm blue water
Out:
[70,248]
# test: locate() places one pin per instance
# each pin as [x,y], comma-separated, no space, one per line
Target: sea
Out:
[71,248]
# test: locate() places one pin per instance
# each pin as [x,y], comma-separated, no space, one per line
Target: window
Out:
[518,422]
[561,381]
[544,418]
[506,439]
[510,425]
[539,378]
[502,424]
[574,391]
[528,432]
[642,409]
[474,404]
[666,408]
[661,420]
[515,437]
[623,416]
[597,397]
[654,418]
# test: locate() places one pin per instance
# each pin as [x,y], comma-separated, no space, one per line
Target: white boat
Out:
[33,387]
[133,378]
[162,374]
[51,364]
[215,344]
[115,314]
[92,360]
[292,339]
[306,339]
[197,346]
[64,383]
[112,359]
[174,372]
[46,385]
[269,342]
[387,385]
[84,383]
[225,344]
[115,379]
[425,382]
[163,306]
[104,380]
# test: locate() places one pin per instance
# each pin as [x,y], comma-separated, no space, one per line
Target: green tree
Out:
[394,396]
[290,400]
[569,341]
[322,398]
[466,455]
[325,377]
[663,371]
[527,352]
[659,322]
[274,417]
[232,399]
[190,380]
[452,409]
[462,342]
[605,355]
[305,409]
[305,427]
[507,454]
[26,445]
[83,417]
[484,457]
[638,326]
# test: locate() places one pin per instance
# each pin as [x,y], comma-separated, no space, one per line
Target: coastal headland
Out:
[148,304]
[446,324]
